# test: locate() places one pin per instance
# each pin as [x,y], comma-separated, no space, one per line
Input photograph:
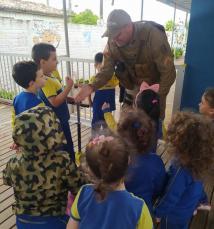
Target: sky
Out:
[152,9]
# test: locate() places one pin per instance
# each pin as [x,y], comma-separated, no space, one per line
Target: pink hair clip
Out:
[100,139]
[154,101]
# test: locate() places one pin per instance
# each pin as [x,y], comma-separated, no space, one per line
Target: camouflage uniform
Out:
[41,174]
[146,58]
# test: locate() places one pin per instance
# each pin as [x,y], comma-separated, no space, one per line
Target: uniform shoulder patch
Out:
[163,49]
[105,51]
[167,61]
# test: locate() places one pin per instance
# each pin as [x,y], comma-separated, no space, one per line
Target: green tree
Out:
[86,17]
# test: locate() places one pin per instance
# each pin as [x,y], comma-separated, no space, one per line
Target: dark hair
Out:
[209,97]
[136,126]
[191,139]
[42,51]
[108,160]
[24,72]
[149,102]
[98,58]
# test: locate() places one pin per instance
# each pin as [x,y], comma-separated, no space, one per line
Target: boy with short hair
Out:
[28,75]
[52,94]
[105,93]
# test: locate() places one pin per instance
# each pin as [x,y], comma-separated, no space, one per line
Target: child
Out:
[107,204]
[206,107]
[104,94]
[41,174]
[28,75]
[148,101]
[191,141]
[52,94]
[146,172]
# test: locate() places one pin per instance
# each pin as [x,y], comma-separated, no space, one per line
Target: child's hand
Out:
[14,147]
[105,105]
[157,220]
[69,82]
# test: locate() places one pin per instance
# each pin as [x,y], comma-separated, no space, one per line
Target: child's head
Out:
[148,100]
[136,126]
[38,130]
[98,61]
[28,74]
[107,159]
[206,106]
[45,55]
[191,139]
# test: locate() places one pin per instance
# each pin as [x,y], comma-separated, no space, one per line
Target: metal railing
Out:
[80,68]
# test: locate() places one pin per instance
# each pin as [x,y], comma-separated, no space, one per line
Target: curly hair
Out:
[108,160]
[191,140]
[139,128]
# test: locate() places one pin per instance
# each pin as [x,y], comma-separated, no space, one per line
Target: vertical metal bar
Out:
[173,26]
[178,89]
[79,127]
[89,73]
[142,10]
[66,36]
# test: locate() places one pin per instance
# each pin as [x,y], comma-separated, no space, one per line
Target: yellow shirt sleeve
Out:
[13,117]
[145,221]
[91,78]
[74,209]
[110,121]
[57,75]
[51,88]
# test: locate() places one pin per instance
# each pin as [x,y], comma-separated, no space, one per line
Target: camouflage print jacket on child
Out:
[41,174]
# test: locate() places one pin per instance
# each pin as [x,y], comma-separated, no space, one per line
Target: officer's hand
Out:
[85,91]
[105,105]
[14,147]
[69,82]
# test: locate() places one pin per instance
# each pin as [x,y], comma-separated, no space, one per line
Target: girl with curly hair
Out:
[107,204]
[146,172]
[191,141]
[206,108]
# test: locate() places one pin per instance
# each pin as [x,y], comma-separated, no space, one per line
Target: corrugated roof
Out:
[30,7]
[184,5]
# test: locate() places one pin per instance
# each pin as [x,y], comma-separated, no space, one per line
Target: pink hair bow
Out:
[144,86]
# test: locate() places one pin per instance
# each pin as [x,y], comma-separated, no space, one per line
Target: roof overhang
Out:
[184,5]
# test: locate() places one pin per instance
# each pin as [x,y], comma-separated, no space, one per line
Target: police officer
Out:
[136,52]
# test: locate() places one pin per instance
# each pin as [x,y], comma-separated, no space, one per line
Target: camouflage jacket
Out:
[41,174]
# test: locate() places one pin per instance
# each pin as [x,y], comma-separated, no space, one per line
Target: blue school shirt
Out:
[181,194]
[120,210]
[54,88]
[146,178]
[24,101]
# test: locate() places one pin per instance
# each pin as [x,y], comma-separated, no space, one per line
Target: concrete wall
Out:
[18,36]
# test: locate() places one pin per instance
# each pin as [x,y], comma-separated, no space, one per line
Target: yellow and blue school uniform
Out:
[179,200]
[24,101]
[102,95]
[54,88]
[146,178]
[57,75]
[121,209]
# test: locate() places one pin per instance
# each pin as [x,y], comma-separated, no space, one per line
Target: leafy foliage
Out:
[86,17]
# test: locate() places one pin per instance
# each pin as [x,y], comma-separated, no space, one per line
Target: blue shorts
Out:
[42,222]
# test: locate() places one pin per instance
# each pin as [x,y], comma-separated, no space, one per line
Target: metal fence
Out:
[80,68]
